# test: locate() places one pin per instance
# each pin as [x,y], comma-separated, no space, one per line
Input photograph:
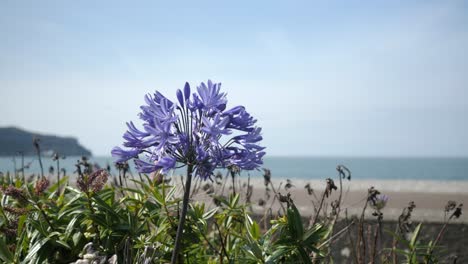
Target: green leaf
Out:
[62,244]
[399,238]
[234,199]
[5,254]
[314,235]
[170,194]
[63,181]
[21,220]
[296,229]
[99,219]
[103,206]
[32,254]
[414,238]
[39,227]
[255,250]
[76,238]
[255,231]
[304,256]
[71,226]
[210,213]
[278,253]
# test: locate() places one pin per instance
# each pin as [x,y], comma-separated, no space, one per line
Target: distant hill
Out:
[13,139]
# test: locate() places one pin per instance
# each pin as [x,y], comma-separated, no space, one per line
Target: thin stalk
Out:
[165,204]
[15,170]
[361,243]
[320,208]
[58,176]
[353,251]
[348,225]
[394,246]
[38,150]
[180,227]
[224,183]
[208,241]
[276,197]
[22,166]
[223,247]
[233,176]
[368,241]
[338,209]
[439,236]
[196,187]
[44,215]
[248,194]
[375,245]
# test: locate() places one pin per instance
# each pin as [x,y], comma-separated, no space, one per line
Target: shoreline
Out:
[403,185]
[430,197]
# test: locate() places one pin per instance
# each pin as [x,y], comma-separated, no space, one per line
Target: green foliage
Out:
[138,224]
[413,249]
[295,243]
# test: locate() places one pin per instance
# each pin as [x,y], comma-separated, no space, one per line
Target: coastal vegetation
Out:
[129,218]
[206,215]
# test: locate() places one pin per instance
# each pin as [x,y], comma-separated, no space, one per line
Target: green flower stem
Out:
[180,228]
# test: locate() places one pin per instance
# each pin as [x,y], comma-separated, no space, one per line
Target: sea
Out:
[303,168]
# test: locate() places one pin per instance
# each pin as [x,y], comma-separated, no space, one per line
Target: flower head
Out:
[192,131]
[379,201]
[41,185]
[92,182]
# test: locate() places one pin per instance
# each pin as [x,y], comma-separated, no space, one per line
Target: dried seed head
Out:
[458,211]
[344,172]
[309,189]
[41,185]
[36,142]
[93,182]
[450,206]
[16,211]
[234,169]
[218,178]
[288,185]
[285,198]
[208,188]
[14,192]
[9,232]
[158,177]
[372,195]
[261,202]
[379,201]
[334,205]
[98,179]
[404,220]
[266,176]
[11,229]
[330,187]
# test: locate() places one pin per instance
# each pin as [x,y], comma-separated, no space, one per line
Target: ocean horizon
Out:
[300,167]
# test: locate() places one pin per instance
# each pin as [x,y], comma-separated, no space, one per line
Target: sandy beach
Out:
[430,197]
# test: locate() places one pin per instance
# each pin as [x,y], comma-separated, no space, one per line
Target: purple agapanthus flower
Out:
[196,131]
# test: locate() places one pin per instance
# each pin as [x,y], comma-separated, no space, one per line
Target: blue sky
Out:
[349,78]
